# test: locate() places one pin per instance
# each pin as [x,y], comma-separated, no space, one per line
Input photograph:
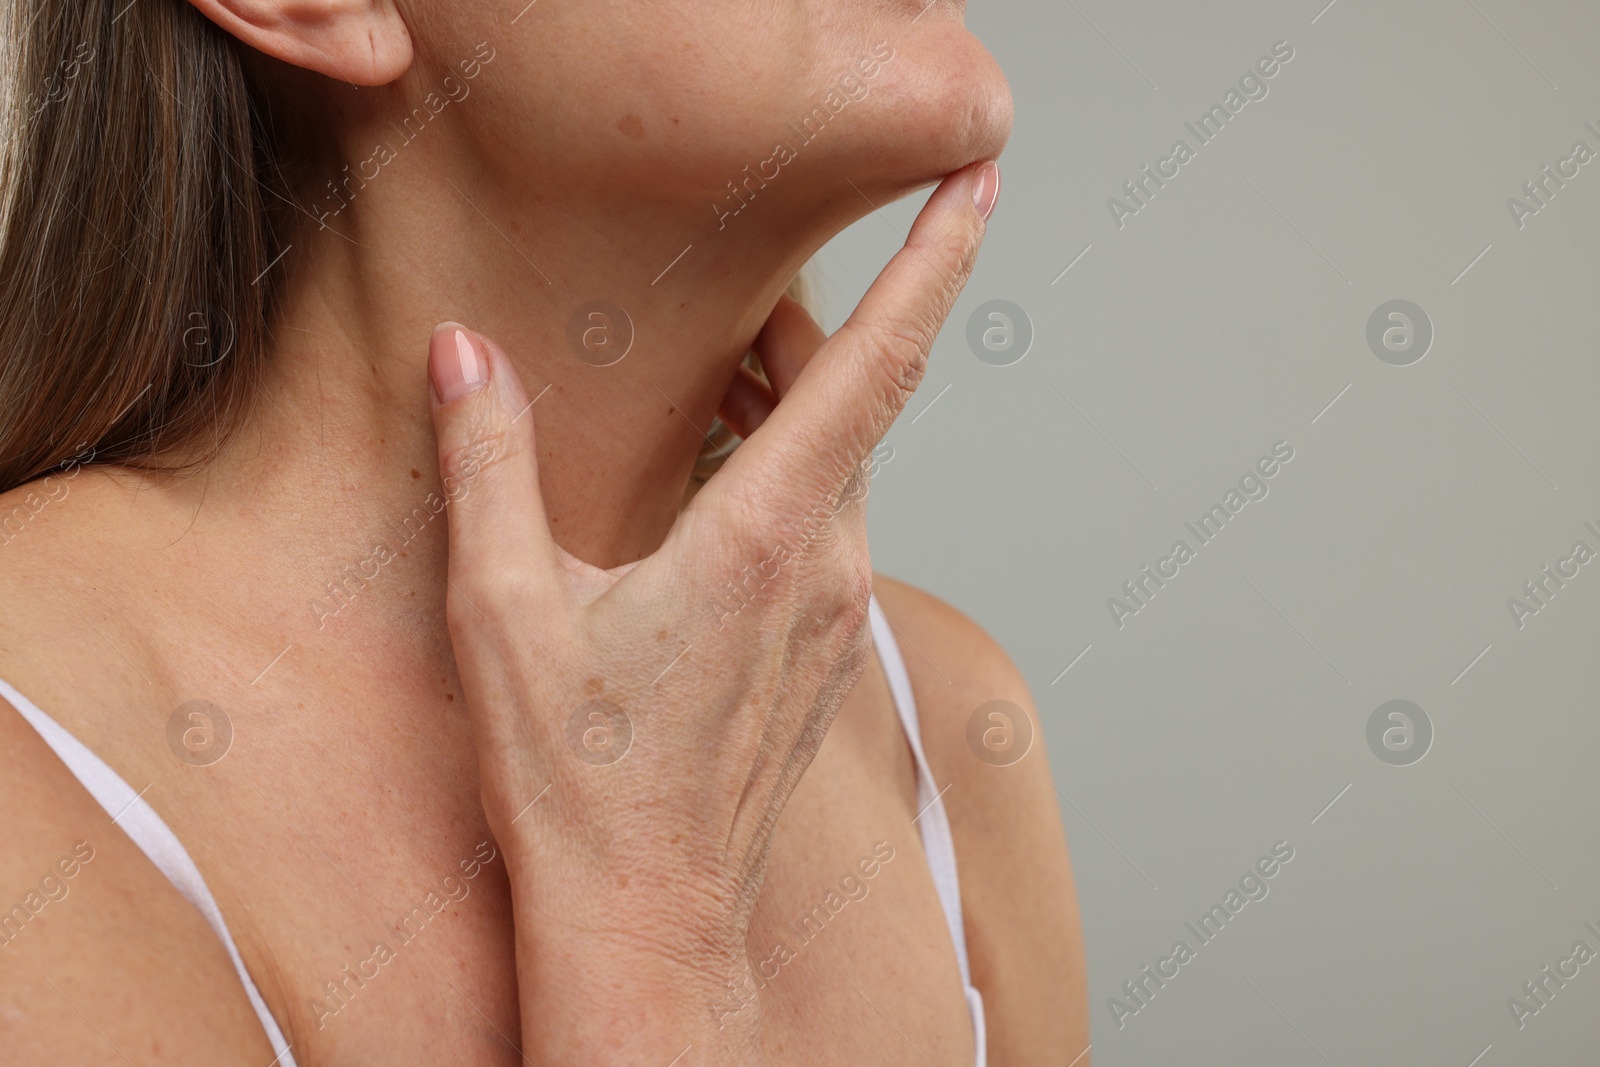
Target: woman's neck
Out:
[344,411]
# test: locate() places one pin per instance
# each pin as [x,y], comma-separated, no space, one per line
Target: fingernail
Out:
[457,362]
[986,188]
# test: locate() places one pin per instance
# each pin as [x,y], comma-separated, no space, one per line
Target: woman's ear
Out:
[363,42]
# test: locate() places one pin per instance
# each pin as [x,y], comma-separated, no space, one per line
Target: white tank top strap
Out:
[128,809]
[932,821]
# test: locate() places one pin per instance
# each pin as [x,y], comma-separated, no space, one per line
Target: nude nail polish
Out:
[457,362]
[986,188]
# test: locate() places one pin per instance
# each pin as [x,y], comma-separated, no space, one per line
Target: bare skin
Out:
[352,790]
[364,779]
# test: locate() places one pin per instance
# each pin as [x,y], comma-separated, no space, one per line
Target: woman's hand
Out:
[634,797]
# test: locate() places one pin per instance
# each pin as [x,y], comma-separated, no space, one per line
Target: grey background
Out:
[1222,318]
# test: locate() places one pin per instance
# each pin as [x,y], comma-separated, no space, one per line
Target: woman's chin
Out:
[943,103]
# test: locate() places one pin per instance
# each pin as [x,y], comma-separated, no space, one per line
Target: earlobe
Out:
[362,42]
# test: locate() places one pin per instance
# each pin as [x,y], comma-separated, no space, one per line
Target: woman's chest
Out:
[343,837]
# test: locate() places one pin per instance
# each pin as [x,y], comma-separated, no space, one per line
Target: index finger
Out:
[859,381]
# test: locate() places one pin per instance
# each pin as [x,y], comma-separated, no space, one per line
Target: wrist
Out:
[623,977]
[596,1000]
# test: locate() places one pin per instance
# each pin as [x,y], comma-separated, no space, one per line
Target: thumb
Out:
[499,536]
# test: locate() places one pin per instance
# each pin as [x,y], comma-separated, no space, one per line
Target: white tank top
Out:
[150,832]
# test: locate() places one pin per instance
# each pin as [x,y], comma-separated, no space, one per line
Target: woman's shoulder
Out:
[47,501]
[97,947]
[980,727]
[57,526]
[954,664]
[986,750]
[63,545]
[69,500]
[89,929]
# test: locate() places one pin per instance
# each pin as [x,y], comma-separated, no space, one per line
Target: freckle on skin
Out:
[416,473]
[632,127]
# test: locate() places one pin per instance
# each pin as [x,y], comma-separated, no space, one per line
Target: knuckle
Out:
[461,613]
[964,254]
[752,519]
[958,258]
[478,597]
[509,592]
[852,594]
[799,514]
[898,349]
[829,618]
[953,258]
[460,464]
